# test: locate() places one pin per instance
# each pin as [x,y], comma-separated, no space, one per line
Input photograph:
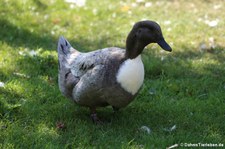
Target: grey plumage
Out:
[90,78]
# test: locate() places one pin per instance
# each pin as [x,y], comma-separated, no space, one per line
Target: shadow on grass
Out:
[11,105]
[212,69]
[45,105]
[17,36]
[216,53]
[20,37]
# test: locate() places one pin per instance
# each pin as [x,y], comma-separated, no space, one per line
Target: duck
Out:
[111,76]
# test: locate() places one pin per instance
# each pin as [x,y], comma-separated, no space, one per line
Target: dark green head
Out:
[142,34]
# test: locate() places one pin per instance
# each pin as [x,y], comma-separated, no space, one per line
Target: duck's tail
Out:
[65,78]
[64,50]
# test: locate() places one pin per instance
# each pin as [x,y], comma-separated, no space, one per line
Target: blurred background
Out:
[182,99]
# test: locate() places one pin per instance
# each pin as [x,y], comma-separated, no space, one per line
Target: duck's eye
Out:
[139,31]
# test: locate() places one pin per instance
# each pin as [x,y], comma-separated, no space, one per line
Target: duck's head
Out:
[142,34]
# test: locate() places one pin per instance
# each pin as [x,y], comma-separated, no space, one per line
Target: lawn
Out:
[181,102]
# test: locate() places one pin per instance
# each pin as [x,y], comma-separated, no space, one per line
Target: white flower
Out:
[32,53]
[148,4]
[46,16]
[212,23]
[114,15]
[140,1]
[217,7]
[167,22]
[169,29]
[22,53]
[28,52]
[95,11]
[72,6]
[134,4]
[79,3]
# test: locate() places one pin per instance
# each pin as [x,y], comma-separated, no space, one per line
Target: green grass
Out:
[185,88]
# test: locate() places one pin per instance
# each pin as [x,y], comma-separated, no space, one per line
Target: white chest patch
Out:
[131,75]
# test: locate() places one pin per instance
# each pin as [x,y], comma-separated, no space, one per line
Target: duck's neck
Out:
[133,47]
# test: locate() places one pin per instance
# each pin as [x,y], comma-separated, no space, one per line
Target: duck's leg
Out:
[115,109]
[94,116]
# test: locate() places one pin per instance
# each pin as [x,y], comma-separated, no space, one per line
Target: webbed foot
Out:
[95,119]
[94,116]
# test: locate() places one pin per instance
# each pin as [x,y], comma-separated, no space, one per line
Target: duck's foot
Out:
[115,109]
[94,117]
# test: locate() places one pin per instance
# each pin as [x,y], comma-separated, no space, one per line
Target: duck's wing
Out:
[96,71]
[81,70]
[82,63]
